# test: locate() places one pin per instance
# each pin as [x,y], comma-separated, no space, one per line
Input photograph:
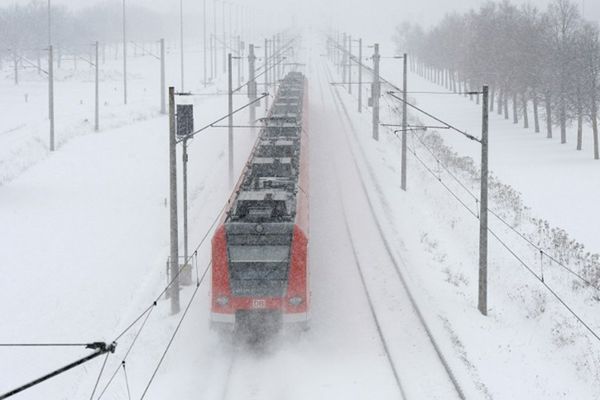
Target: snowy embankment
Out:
[530,343]
[24,128]
[85,232]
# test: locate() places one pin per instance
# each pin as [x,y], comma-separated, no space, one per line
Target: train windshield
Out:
[259,263]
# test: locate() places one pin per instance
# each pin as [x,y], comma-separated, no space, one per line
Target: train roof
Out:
[269,184]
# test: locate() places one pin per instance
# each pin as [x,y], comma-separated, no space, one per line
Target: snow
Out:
[85,240]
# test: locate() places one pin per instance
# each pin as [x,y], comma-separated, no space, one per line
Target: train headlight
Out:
[295,301]
[222,300]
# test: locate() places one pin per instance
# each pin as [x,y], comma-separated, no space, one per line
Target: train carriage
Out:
[260,272]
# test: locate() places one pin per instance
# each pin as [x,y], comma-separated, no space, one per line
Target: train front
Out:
[259,253]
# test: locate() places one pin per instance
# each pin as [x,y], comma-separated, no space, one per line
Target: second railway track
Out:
[411,312]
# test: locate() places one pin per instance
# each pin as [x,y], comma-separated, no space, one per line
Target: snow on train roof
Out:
[269,182]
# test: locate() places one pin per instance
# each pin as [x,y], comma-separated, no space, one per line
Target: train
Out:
[260,269]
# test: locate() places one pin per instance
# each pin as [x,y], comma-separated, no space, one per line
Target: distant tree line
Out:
[24,28]
[544,62]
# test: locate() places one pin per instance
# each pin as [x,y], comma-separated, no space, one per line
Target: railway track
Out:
[345,118]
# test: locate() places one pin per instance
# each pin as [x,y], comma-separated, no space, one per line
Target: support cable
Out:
[509,249]
[164,354]
[99,376]
[502,220]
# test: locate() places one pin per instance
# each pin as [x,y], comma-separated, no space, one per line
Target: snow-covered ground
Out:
[85,240]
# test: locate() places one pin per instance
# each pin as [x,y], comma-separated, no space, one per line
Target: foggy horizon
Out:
[375,19]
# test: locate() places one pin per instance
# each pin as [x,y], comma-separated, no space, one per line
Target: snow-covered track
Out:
[417,317]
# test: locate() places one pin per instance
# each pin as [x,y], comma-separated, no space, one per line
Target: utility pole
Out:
[266,74]
[404,120]
[252,83]
[224,39]
[174,265]
[349,64]
[97,97]
[230,119]
[273,79]
[162,77]
[279,56]
[338,53]
[16,66]
[483,213]
[212,60]
[204,41]
[214,38]
[124,57]
[181,42]
[240,62]
[375,92]
[186,274]
[51,94]
[344,56]
[360,75]
[49,23]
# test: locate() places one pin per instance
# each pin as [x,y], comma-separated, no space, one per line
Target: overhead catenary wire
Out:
[398,89]
[497,215]
[99,376]
[44,344]
[166,288]
[465,134]
[506,223]
[191,135]
[514,254]
[126,381]
[258,76]
[149,309]
[506,246]
[126,353]
[168,347]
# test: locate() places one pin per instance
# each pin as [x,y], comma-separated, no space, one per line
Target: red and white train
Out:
[260,271]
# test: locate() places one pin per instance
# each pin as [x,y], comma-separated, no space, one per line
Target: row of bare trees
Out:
[542,62]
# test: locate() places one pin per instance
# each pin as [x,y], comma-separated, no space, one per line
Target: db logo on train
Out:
[258,303]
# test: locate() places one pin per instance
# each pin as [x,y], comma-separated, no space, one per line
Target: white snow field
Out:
[393,273]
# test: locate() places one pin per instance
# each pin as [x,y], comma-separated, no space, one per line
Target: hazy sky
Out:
[373,18]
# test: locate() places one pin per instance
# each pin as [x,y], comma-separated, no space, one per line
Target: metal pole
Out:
[204,55]
[252,82]
[214,38]
[124,56]
[350,64]
[273,72]
[181,42]
[162,77]
[240,62]
[230,31]
[97,97]
[375,93]
[49,23]
[404,121]
[174,267]
[230,119]
[186,274]
[483,214]
[16,66]
[344,59]
[224,38]
[360,75]
[51,94]
[212,60]
[278,50]
[266,74]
